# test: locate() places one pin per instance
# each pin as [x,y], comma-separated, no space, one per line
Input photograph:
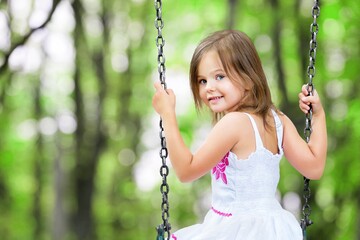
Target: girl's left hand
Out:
[164,100]
[305,101]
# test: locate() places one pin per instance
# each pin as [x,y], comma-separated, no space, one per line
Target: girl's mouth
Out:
[214,99]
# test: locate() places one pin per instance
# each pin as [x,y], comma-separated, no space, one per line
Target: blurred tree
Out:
[76,121]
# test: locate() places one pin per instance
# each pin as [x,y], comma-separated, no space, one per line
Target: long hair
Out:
[242,64]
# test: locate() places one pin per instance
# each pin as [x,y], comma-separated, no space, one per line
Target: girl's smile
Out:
[214,100]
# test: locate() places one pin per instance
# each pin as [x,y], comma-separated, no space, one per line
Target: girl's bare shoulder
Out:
[234,117]
[285,120]
[234,121]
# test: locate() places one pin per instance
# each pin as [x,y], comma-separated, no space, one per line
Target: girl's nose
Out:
[210,86]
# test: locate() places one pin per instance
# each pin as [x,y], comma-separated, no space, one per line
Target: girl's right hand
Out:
[163,100]
[305,101]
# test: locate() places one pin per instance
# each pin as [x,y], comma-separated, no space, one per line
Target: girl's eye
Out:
[219,77]
[202,81]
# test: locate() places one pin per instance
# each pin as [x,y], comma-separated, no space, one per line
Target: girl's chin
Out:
[222,111]
[218,110]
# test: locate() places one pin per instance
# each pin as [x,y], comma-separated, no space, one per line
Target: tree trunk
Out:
[38,170]
[276,36]
[232,13]
[60,218]
[302,31]
[87,151]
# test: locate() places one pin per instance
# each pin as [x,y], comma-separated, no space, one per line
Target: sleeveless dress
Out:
[244,206]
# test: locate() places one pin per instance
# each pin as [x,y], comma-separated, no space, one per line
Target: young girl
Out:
[244,148]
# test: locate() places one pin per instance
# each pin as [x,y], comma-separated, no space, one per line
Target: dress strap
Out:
[279,129]
[258,140]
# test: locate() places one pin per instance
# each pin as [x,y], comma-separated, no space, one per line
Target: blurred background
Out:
[79,140]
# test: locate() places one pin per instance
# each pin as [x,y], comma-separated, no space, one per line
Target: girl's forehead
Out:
[210,59]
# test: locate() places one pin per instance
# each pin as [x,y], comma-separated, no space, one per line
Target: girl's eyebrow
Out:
[211,72]
[199,76]
[216,70]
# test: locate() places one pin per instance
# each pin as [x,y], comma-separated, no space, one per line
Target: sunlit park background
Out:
[79,141]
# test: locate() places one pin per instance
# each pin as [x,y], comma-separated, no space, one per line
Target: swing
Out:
[314,29]
[163,230]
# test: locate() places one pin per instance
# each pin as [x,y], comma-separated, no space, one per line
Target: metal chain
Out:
[314,29]
[164,228]
[160,42]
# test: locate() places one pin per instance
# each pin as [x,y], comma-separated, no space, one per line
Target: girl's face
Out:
[216,90]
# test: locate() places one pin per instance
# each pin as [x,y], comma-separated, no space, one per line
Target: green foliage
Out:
[79,139]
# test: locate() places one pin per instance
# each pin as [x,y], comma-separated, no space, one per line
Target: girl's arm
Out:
[222,138]
[308,158]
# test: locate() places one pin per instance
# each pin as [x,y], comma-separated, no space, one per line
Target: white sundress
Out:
[244,206]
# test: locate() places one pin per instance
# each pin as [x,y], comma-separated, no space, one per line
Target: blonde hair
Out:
[242,64]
